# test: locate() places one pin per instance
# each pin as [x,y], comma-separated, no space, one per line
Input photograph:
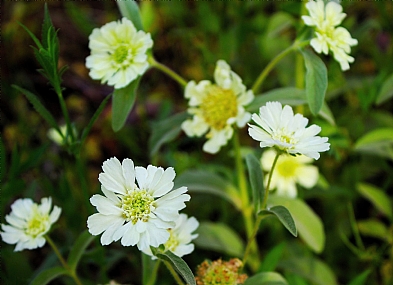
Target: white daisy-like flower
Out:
[29,222]
[217,107]
[278,127]
[288,171]
[118,53]
[138,214]
[180,238]
[325,19]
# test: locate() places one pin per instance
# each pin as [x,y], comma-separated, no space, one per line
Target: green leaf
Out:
[200,181]
[316,80]
[266,278]
[287,95]
[46,25]
[219,237]
[164,131]
[38,107]
[373,228]
[361,278]
[3,161]
[256,180]
[148,277]
[386,91]
[48,275]
[272,258]
[378,142]
[130,10]
[284,216]
[122,102]
[178,263]
[37,42]
[308,224]
[377,197]
[79,248]
[94,118]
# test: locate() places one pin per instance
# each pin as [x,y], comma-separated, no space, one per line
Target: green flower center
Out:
[218,106]
[287,166]
[137,205]
[172,242]
[37,224]
[120,54]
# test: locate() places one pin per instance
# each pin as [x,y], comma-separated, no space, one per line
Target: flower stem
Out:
[167,71]
[153,274]
[65,114]
[354,226]
[251,238]
[173,272]
[62,261]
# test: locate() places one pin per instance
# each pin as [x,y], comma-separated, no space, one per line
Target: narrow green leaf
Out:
[219,237]
[361,278]
[272,258]
[284,216]
[308,224]
[386,91]
[38,107]
[165,131]
[266,278]
[256,180]
[37,42]
[179,264]
[200,181]
[316,80]
[130,10]
[46,25]
[93,119]
[79,248]
[377,197]
[122,102]
[287,95]
[48,275]
[378,142]
[373,228]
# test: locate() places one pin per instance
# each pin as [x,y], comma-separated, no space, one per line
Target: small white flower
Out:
[29,222]
[216,107]
[278,127]
[288,171]
[138,214]
[328,36]
[54,135]
[118,53]
[180,238]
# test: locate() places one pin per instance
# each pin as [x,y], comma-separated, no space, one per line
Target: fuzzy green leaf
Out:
[256,180]
[386,91]
[378,142]
[79,248]
[266,278]
[377,197]
[373,228]
[48,275]
[316,81]
[219,237]
[122,102]
[272,258]
[130,10]
[46,25]
[284,216]
[361,278]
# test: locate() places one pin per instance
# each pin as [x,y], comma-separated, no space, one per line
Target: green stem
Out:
[153,274]
[65,114]
[251,239]
[174,273]
[62,261]
[167,71]
[261,78]
[83,181]
[354,226]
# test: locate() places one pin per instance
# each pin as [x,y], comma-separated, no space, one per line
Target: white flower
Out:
[54,135]
[138,214]
[180,238]
[278,127]
[29,222]
[328,36]
[216,107]
[118,53]
[288,171]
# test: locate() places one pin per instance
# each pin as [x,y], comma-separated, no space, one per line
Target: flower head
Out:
[118,53]
[220,272]
[137,213]
[328,36]
[278,127]
[216,107]
[288,171]
[180,236]
[29,222]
